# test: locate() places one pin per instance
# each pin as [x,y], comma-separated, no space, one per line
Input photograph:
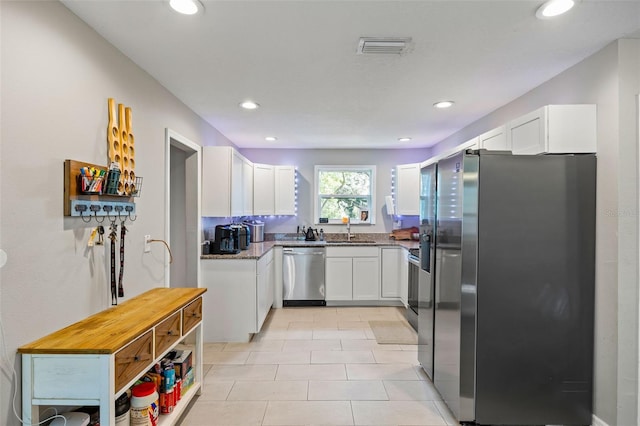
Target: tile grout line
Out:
[264,414]
[353,416]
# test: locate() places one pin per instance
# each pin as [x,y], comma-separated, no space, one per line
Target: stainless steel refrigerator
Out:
[514,262]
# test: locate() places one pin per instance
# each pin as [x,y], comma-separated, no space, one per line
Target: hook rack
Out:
[95,209]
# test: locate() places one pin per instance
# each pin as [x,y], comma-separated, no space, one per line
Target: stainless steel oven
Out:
[414,285]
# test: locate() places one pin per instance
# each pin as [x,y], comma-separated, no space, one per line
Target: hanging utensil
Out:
[113,236]
[123,231]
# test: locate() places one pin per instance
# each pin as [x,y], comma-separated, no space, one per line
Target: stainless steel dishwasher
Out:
[303,276]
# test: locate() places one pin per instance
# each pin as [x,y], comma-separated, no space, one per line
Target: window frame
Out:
[372,193]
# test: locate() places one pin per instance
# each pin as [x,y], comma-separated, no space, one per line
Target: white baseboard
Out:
[597,421]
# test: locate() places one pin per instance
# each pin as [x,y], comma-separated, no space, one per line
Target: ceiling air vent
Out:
[383,45]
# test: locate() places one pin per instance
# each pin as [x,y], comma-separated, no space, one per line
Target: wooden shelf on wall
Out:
[73,192]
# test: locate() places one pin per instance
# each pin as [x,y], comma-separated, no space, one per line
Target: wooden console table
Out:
[94,361]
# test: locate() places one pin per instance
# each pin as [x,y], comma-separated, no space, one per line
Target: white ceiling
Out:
[298,60]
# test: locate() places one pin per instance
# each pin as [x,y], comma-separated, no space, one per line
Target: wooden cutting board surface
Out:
[111,329]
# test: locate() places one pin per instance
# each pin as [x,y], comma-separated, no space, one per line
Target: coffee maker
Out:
[227,240]
[244,235]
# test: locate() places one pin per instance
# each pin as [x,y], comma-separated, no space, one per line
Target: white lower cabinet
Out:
[395,273]
[404,277]
[391,284]
[352,273]
[339,278]
[366,278]
[241,295]
[264,287]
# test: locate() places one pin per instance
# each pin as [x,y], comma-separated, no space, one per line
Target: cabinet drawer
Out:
[133,359]
[191,315]
[167,333]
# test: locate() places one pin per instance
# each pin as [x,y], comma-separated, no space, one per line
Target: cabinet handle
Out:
[170,332]
[194,315]
[136,358]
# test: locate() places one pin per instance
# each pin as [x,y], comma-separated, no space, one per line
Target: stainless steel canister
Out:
[256,228]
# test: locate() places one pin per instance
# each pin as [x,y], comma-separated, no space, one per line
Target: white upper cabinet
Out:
[227,179]
[216,181]
[495,140]
[555,129]
[263,189]
[285,190]
[247,187]
[232,186]
[274,191]
[408,189]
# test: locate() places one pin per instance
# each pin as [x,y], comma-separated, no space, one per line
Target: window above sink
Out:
[344,192]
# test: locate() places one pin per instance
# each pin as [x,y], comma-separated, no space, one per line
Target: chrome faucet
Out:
[348,229]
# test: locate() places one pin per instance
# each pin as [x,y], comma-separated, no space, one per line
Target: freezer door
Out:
[448,287]
[426,285]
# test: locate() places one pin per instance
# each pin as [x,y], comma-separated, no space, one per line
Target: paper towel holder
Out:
[391,211]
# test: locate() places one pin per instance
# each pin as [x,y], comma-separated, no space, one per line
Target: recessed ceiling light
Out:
[270,139]
[443,104]
[404,139]
[554,8]
[186,7]
[249,105]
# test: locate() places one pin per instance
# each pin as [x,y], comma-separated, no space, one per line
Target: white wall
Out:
[56,76]
[610,79]
[627,213]
[306,159]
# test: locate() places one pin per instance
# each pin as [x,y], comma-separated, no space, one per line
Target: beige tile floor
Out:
[317,366]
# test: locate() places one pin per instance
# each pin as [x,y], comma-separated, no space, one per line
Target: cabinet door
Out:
[338,278]
[404,277]
[271,282]
[390,274]
[366,278]
[408,189]
[247,187]
[285,190]
[495,140]
[527,133]
[262,298]
[237,188]
[555,129]
[263,189]
[216,181]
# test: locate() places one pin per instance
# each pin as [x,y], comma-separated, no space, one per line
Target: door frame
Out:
[188,146]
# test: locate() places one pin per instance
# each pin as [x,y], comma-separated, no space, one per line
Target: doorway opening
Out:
[182,208]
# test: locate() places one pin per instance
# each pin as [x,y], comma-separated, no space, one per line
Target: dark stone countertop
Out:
[257,250]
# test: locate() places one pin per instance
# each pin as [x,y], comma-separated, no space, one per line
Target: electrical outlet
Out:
[147,243]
